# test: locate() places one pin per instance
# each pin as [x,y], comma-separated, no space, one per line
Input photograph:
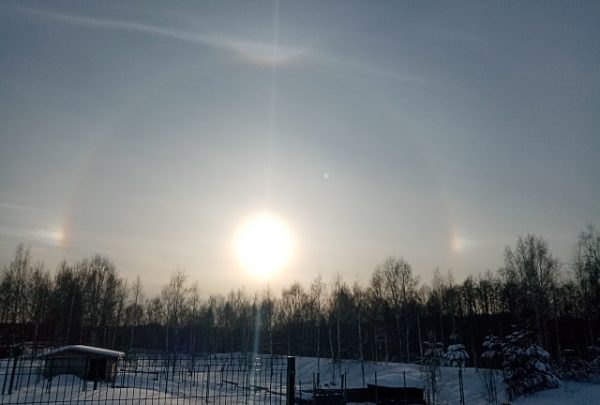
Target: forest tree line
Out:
[386,318]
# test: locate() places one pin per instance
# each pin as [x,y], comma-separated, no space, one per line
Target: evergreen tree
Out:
[456,356]
[526,366]
[492,361]
[430,367]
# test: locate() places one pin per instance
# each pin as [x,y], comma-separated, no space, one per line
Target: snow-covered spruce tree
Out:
[432,360]
[526,366]
[585,369]
[594,363]
[491,361]
[573,367]
[456,356]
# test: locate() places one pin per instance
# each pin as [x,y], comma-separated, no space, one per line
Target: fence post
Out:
[405,394]
[291,380]
[207,379]
[5,380]
[376,386]
[167,373]
[12,375]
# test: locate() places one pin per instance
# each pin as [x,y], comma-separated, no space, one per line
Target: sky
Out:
[150,131]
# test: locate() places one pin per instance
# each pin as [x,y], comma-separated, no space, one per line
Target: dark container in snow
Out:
[373,394]
[86,362]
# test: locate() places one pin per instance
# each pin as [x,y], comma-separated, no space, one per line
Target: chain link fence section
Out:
[147,378]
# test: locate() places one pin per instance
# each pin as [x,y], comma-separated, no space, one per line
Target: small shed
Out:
[86,362]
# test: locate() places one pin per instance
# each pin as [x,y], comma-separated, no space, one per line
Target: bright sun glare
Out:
[263,245]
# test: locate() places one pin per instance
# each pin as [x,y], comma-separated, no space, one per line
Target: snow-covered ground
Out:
[392,374]
[152,386]
[568,393]
[218,380]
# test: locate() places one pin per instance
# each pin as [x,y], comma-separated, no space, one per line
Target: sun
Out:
[263,245]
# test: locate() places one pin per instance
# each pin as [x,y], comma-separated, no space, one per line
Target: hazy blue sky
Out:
[437,131]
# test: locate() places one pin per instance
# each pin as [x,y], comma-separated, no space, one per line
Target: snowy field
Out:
[392,374]
[230,385]
[221,379]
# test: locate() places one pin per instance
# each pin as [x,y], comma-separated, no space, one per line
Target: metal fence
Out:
[148,379]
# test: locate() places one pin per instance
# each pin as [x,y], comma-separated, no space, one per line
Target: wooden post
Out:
[345,386]
[405,394]
[12,375]
[207,380]
[376,399]
[291,380]
[460,385]
[5,380]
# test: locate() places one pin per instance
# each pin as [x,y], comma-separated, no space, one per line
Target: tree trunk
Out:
[318,343]
[332,353]
[419,331]
[385,342]
[167,339]
[360,350]
[339,345]
[398,332]
[407,334]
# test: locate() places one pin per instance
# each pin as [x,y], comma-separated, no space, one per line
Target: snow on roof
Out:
[85,350]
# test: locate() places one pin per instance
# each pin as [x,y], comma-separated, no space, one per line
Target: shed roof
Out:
[85,350]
